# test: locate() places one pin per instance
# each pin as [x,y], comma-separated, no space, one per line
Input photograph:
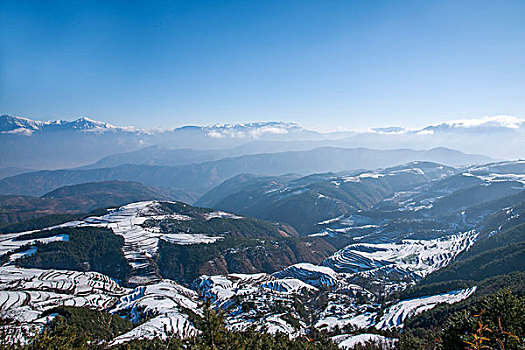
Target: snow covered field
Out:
[26,293]
[418,256]
[396,315]
[141,242]
[165,300]
[263,301]
[11,241]
[346,341]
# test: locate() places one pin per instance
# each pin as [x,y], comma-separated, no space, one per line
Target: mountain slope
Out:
[500,250]
[77,199]
[173,240]
[312,285]
[305,202]
[12,171]
[416,199]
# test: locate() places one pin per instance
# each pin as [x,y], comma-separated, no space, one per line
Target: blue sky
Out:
[323,64]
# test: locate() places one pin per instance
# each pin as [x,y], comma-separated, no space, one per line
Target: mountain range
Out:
[61,144]
[195,179]
[331,202]
[411,247]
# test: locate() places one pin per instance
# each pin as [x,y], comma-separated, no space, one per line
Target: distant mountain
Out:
[12,171]
[79,199]
[157,155]
[60,144]
[498,124]
[18,125]
[389,130]
[255,130]
[305,202]
[25,126]
[54,144]
[322,158]
[199,178]
[333,202]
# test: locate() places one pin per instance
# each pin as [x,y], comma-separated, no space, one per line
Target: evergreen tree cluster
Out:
[494,322]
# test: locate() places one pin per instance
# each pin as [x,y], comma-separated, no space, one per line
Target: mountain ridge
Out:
[77,199]
[203,176]
[24,125]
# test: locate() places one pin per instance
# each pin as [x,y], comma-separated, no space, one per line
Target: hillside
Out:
[178,241]
[157,155]
[77,199]
[308,201]
[12,171]
[415,197]
[500,249]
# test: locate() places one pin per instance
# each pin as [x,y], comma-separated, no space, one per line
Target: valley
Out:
[341,254]
[262,175]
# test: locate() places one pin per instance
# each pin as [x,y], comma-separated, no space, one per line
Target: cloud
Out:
[388,130]
[252,130]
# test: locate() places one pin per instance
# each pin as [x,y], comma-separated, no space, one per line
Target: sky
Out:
[328,65]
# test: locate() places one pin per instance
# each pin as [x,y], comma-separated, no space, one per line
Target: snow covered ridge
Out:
[488,123]
[396,315]
[25,126]
[26,293]
[250,130]
[165,300]
[267,302]
[140,241]
[426,170]
[419,256]
[346,341]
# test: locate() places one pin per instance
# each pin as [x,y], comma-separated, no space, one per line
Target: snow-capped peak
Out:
[18,125]
[85,123]
[25,126]
[250,130]
[492,123]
